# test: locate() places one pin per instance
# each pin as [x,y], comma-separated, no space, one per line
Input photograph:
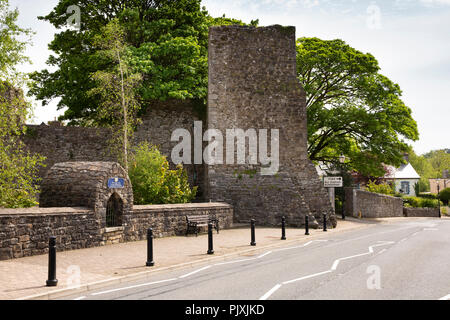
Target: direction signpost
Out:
[331,183]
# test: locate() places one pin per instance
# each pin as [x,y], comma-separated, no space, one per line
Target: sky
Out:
[409,38]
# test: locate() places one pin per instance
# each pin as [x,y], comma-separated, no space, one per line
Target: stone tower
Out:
[253,85]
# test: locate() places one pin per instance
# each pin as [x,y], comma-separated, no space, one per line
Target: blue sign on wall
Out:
[116,183]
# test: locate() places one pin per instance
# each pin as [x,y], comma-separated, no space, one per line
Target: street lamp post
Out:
[342,161]
[439,201]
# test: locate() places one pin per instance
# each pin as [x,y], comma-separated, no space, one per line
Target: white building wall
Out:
[412,182]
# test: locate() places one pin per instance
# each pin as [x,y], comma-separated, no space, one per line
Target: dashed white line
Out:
[447,297]
[301,246]
[270,292]
[264,254]
[194,272]
[307,277]
[132,287]
[80,298]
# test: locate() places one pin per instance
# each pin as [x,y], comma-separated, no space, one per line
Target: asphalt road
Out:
[404,260]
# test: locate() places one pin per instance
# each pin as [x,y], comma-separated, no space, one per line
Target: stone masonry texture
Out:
[421,212]
[371,205]
[253,84]
[25,232]
[69,143]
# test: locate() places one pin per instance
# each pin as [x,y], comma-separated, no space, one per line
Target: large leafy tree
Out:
[167,40]
[18,168]
[352,109]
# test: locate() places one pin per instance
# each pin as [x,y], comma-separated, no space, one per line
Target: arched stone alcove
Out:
[92,185]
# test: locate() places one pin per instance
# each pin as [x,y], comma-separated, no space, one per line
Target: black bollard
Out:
[252,224]
[324,222]
[210,239]
[283,228]
[52,281]
[306,226]
[150,261]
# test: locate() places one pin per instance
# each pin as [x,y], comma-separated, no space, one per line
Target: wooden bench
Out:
[195,222]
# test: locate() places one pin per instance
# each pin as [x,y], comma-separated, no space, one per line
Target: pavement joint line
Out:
[117,280]
[333,268]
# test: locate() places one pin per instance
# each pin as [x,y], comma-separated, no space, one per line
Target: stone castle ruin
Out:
[252,84]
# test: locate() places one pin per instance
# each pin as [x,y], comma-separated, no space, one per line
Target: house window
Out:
[404,185]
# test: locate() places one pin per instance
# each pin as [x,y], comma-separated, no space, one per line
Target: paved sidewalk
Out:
[26,277]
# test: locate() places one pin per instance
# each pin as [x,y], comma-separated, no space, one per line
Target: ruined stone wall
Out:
[157,126]
[64,143]
[253,84]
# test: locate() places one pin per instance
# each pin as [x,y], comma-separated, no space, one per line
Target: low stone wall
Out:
[170,220]
[371,205]
[25,232]
[421,212]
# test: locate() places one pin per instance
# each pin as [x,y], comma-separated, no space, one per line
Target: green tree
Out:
[439,160]
[444,196]
[424,168]
[383,188]
[167,43]
[13,42]
[153,182]
[352,109]
[116,89]
[18,168]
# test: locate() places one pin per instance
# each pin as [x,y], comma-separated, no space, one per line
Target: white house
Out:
[404,178]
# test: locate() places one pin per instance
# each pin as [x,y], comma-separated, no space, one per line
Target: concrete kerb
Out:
[60,293]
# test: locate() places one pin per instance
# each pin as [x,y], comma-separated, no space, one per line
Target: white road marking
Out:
[301,246]
[131,287]
[447,297]
[194,272]
[264,254]
[307,277]
[404,239]
[235,261]
[270,292]
[335,264]
[80,298]
[333,268]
